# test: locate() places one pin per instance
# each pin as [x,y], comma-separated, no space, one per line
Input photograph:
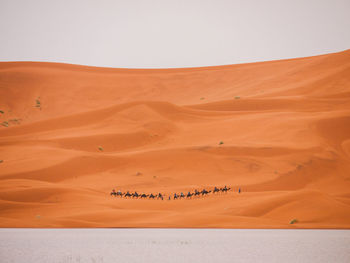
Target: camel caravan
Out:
[174,196]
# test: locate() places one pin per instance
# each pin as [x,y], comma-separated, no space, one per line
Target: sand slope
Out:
[285,128]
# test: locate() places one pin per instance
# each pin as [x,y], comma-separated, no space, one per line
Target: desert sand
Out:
[279,130]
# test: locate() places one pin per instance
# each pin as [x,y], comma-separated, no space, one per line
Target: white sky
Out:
[170,33]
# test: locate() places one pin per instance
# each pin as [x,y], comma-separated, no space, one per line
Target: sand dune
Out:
[279,130]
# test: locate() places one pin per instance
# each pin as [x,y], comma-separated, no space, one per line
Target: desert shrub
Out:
[2,112]
[5,123]
[293,221]
[237,97]
[221,142]
[1,161]
[100,148]
[14,121]
[38,103]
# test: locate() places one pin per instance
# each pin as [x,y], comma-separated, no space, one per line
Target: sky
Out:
[170,33]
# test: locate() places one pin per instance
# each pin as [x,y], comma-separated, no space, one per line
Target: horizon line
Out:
[168,68]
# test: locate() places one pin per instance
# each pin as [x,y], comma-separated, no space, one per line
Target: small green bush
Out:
[221,142]
[38,104]
[100,148]
[2,112]
[293,221]
[14,121]
[5,123]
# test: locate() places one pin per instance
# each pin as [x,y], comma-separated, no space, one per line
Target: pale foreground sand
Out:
[173,245]
[285,128]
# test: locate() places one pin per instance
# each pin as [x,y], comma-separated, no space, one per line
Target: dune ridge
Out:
[278,130]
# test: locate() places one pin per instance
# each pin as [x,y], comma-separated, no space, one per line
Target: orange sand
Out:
[286,144]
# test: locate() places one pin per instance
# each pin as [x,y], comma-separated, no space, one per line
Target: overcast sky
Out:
[170,33]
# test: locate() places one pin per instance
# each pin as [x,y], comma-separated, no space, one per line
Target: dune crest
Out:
[277,130]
